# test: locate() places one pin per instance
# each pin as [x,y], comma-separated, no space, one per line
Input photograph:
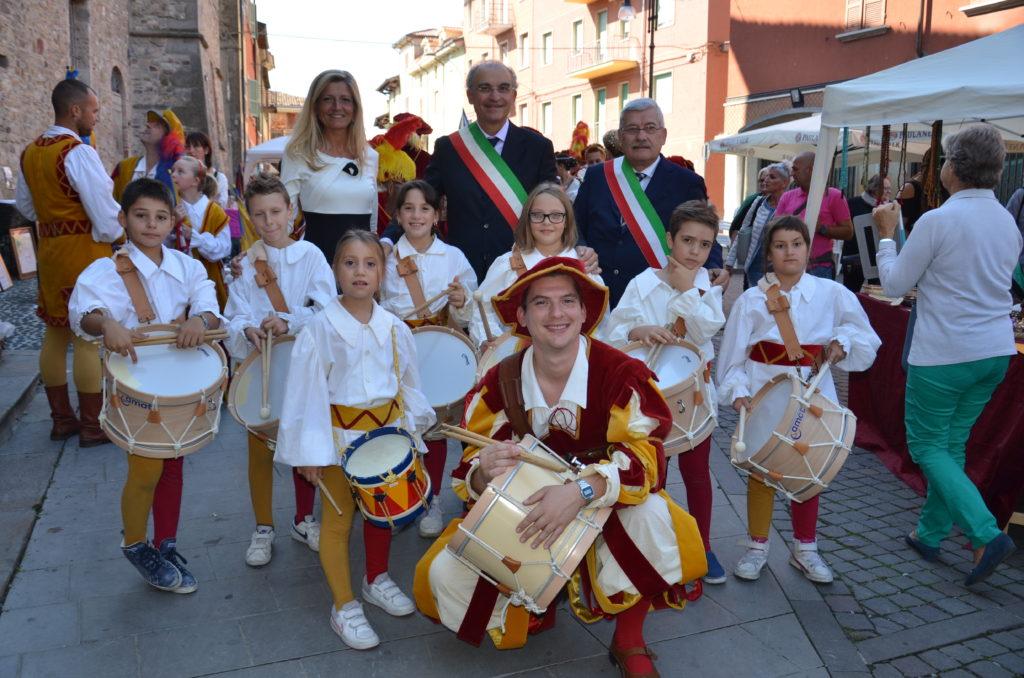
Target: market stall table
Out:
[995,450]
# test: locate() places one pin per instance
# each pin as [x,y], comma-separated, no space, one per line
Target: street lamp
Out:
[626,12]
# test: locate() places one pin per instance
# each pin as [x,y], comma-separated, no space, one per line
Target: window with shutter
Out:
[854,11]
[864,14]
[874,13]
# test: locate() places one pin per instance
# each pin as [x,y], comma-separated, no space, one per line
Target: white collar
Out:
[198,207]
[869,199]
[347,326]
[804,286]
[575,390]
[169,264]
[57,130]
[502,133]
[649,170]
[289,254]
[534,257]
[649,281]
[406,249]
[965,193]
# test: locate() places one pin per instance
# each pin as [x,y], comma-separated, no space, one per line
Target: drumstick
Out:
[327,493]
[479,296]
[472,438]
[268,342]
[822,371]
[213,335]
[425,305]
[741,430]
[653,354]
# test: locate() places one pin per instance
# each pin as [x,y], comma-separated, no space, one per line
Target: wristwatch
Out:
[585,489]
[206,323]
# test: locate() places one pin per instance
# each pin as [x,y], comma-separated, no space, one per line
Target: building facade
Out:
[432,79]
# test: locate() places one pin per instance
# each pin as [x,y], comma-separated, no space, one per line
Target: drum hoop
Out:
[233,388]
[374,481]
[184,399]
[447,330]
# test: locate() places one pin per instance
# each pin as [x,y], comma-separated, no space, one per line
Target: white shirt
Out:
[179,282]
[330,190]
[306,282]
[143,172]
[499,276]
[438,266]
[502,133]
[86,175]
[821,310]
[222,187]
[961,256]
[648,173]
[339,360]
[212,247]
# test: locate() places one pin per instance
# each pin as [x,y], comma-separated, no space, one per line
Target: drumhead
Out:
[447,364]
[675,363]
[167,370]
[246,396]
[766,417]
[377,455]
[505,345]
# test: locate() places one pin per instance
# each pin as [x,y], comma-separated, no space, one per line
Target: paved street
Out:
[75,607]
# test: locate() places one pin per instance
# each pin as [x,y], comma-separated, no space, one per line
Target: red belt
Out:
[770,353]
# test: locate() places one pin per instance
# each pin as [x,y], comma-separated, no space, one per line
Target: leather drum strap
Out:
[407,269]
[136,292]
[510,383]
[516,262]
[778,306]
[265,277]
[679,326]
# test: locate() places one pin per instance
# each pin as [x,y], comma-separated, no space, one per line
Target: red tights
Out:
[377,544]
[629,632]
[437,453]
[167,502]
[693,466]
[305,495]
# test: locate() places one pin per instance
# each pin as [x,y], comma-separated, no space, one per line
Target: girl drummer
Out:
[434,267]
[344,381]
[303,284]
[829,325]
[649,311]
[103,305]
[546,228]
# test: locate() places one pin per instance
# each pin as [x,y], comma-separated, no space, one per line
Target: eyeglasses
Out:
[554,217]
[486,88]
[633,130]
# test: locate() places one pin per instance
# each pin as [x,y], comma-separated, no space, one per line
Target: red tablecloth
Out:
[995,450]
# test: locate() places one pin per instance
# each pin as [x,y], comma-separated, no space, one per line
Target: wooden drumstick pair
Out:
[479,297]
[425,305]
[472,438]
[160,339]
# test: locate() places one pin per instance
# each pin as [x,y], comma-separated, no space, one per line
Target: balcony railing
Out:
[604,57]
[492,17]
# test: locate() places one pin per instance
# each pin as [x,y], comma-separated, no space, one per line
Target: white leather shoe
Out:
[261,547]
[385,594]
[750,565]
[351,626]
[307,532]
[432,521]
[805,558]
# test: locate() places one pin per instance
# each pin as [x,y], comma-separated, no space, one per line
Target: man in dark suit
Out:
[475,224]
[601,225]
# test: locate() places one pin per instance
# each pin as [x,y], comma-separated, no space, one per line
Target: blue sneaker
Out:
[716,573]
[996,551]
[157,572]
[929,553]
[170,553]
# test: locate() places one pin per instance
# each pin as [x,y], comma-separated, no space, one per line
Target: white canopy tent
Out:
[979,80]
[268,151]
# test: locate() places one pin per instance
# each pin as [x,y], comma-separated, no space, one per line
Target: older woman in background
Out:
[328,168]
[775,183]
[961,258]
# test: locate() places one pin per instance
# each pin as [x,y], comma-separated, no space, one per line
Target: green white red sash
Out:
[637,211]
[490,171]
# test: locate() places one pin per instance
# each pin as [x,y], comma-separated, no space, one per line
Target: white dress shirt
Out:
[339,360]
[501,135]
[86,175]
[961,257]
[330,190]
[212,247]
[179,282]
[821,310]
[307,285]
[438,266]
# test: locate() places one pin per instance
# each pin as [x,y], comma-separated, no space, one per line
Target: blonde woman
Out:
[328,168]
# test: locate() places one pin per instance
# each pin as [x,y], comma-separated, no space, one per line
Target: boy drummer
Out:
[143,283]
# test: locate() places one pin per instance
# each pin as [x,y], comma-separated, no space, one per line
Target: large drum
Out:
[245,395]
[387,477]
[794,445]
[504,346]
[447,365]
[683,378]
[488,544]
[167,404]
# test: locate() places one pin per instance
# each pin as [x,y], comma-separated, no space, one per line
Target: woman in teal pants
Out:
[961,258]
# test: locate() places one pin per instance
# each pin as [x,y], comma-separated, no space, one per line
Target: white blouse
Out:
[179,282]
[438,266]
[821,310]
[212,247]
[330,190]
[499,276]
[306,282]
[339,360]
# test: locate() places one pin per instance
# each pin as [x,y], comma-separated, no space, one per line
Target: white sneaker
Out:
[432,521]
[385,594]
[805,558]
[351,626]
[307,532]
[750,565]
[261,547]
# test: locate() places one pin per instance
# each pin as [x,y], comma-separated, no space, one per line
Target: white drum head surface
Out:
[447,366]
[166,370]
[377,455]
[766,417]
[674,363]
[249,392]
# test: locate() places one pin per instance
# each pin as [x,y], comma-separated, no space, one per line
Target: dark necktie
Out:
[640,176]
[494,141]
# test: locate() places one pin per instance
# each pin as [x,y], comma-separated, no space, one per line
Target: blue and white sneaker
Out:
[170,553]
[716,573]
[157,572]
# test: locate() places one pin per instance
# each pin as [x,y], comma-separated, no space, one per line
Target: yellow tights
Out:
[53,360]
[137,496]
[261,480]
[760,503]
[334,534]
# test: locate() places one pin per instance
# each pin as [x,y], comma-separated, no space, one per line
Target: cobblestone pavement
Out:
[18,307]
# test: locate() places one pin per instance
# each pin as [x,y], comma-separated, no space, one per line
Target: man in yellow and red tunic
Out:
[62,185]
[587,400]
